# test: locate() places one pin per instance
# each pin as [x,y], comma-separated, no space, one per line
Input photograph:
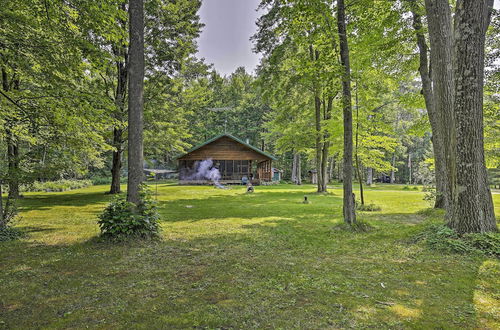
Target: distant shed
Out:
[234,158]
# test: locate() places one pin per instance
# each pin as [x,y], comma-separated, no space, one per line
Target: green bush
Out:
[101,180]
[430,194]
[56,186]
[9,233]
[368,207]
[409,188]
[442,238]
[10,216]
[122,219]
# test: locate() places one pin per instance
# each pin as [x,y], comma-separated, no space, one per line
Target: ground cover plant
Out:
[228,259]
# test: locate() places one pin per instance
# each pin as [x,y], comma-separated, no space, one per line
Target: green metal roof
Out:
[231,137]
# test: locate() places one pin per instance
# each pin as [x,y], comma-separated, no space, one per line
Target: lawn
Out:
[233,260]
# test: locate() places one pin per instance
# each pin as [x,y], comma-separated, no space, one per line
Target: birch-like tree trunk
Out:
[296,175]
[331,168]
[393,172]
[317,105]
[348,202]
[135,100]
[474,210]
[369,176]
[299,169]
[325,145]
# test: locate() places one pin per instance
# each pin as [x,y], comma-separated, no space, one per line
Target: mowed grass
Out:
[233,260]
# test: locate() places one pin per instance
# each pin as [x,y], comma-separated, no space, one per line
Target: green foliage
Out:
[121,219]
[442,238]
[98,180]
[9,233]
[430,194]
[368,207]
[7,221]
[408,188]
[59,185]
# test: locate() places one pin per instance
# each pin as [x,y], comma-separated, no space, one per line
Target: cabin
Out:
[237,161]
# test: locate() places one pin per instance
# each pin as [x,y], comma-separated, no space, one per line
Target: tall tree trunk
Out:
[317,105]
[369,176]
[314,56]
[441,40]
[135,100]
[393,172]
[117,161]
[437,136]
[13,165]
[331,168]
[348,203]
[2,222]
[356,149]
[327,109]
[474,210]
[409,168]
[121,53]
[299,170]
[340,170]
[296,175]
[12,149]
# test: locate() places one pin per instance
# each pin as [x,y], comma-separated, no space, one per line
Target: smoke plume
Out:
[205,170]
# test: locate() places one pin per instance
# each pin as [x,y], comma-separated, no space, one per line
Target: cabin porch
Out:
[231,171]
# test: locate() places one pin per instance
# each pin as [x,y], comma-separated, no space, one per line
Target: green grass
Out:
[233,260]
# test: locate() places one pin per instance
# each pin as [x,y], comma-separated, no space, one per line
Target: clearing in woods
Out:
[229,259]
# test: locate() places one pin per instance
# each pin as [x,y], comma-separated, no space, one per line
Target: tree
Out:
[434,119]
[474,205]
[457,58]
[170,32]
[50,123]
[441,55]
[299,52]
[348,203]
[135,101]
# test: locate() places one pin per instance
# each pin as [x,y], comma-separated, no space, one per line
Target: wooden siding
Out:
[224,148]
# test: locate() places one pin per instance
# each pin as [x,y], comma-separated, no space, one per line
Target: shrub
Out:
[368,207]
[430,194]
[409,188]
[10,216]
[442,238]
[102,180]
[56,186]
[9,233]
[122,219]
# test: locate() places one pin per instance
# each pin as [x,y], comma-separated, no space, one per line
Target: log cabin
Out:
[236,160]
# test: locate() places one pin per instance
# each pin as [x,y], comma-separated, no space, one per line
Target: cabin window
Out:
[229,166]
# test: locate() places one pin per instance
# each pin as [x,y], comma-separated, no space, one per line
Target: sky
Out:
[224,41]
[229,24]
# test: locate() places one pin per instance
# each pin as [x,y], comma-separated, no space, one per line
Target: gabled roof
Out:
[215,138]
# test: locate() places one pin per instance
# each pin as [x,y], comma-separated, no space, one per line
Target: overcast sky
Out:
[229,24]
[224,40]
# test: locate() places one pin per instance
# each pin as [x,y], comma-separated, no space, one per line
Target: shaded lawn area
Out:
[234,260]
